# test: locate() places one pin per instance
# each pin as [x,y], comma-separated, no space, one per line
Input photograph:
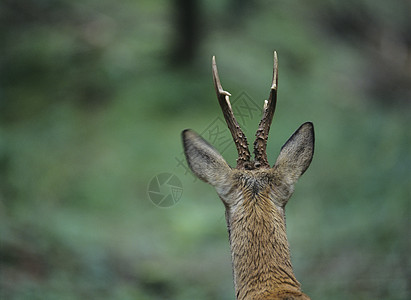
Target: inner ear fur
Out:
[296,154]
[204,160]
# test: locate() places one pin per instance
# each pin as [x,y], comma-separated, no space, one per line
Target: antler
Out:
[260,143]
[239,137]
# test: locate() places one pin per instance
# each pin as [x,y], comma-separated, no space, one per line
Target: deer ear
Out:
[204,160]
[296,154]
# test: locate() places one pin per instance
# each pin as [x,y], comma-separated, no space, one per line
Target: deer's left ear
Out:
[204,160]
[296,154]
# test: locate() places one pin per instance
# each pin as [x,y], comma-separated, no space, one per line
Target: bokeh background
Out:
[94,96]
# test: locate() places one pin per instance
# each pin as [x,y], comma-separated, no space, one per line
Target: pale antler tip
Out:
[275,72]
[214,66]
[217,81]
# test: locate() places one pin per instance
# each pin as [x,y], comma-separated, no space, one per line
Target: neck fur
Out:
[259,249]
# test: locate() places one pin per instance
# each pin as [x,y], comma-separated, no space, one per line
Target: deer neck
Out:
[259,249]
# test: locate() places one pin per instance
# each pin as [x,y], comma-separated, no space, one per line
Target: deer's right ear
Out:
[296,154]
[204,160]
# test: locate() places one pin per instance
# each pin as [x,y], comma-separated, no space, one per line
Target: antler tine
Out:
[238,135]
[260,143]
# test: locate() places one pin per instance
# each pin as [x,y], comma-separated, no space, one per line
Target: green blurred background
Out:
[94,95]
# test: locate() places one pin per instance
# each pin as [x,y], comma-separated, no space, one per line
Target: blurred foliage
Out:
[94,95]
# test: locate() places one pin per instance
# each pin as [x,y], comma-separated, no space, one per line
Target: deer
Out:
[254,195]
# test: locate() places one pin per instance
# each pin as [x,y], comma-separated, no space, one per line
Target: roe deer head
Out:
[254,195]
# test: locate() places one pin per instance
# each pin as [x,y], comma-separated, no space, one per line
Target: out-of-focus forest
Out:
[94,96]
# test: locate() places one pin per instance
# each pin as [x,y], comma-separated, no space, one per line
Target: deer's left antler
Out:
[239,137]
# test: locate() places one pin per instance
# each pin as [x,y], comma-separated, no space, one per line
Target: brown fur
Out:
[259,245]
[255,196]
[255,202]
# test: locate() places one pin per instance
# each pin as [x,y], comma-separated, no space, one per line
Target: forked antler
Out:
[261,136]
[239,137]
[240,140]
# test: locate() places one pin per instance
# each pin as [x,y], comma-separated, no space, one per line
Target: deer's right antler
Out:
[261,136]
[239,137]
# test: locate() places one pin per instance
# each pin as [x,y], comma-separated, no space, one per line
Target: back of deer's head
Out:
[251,177]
